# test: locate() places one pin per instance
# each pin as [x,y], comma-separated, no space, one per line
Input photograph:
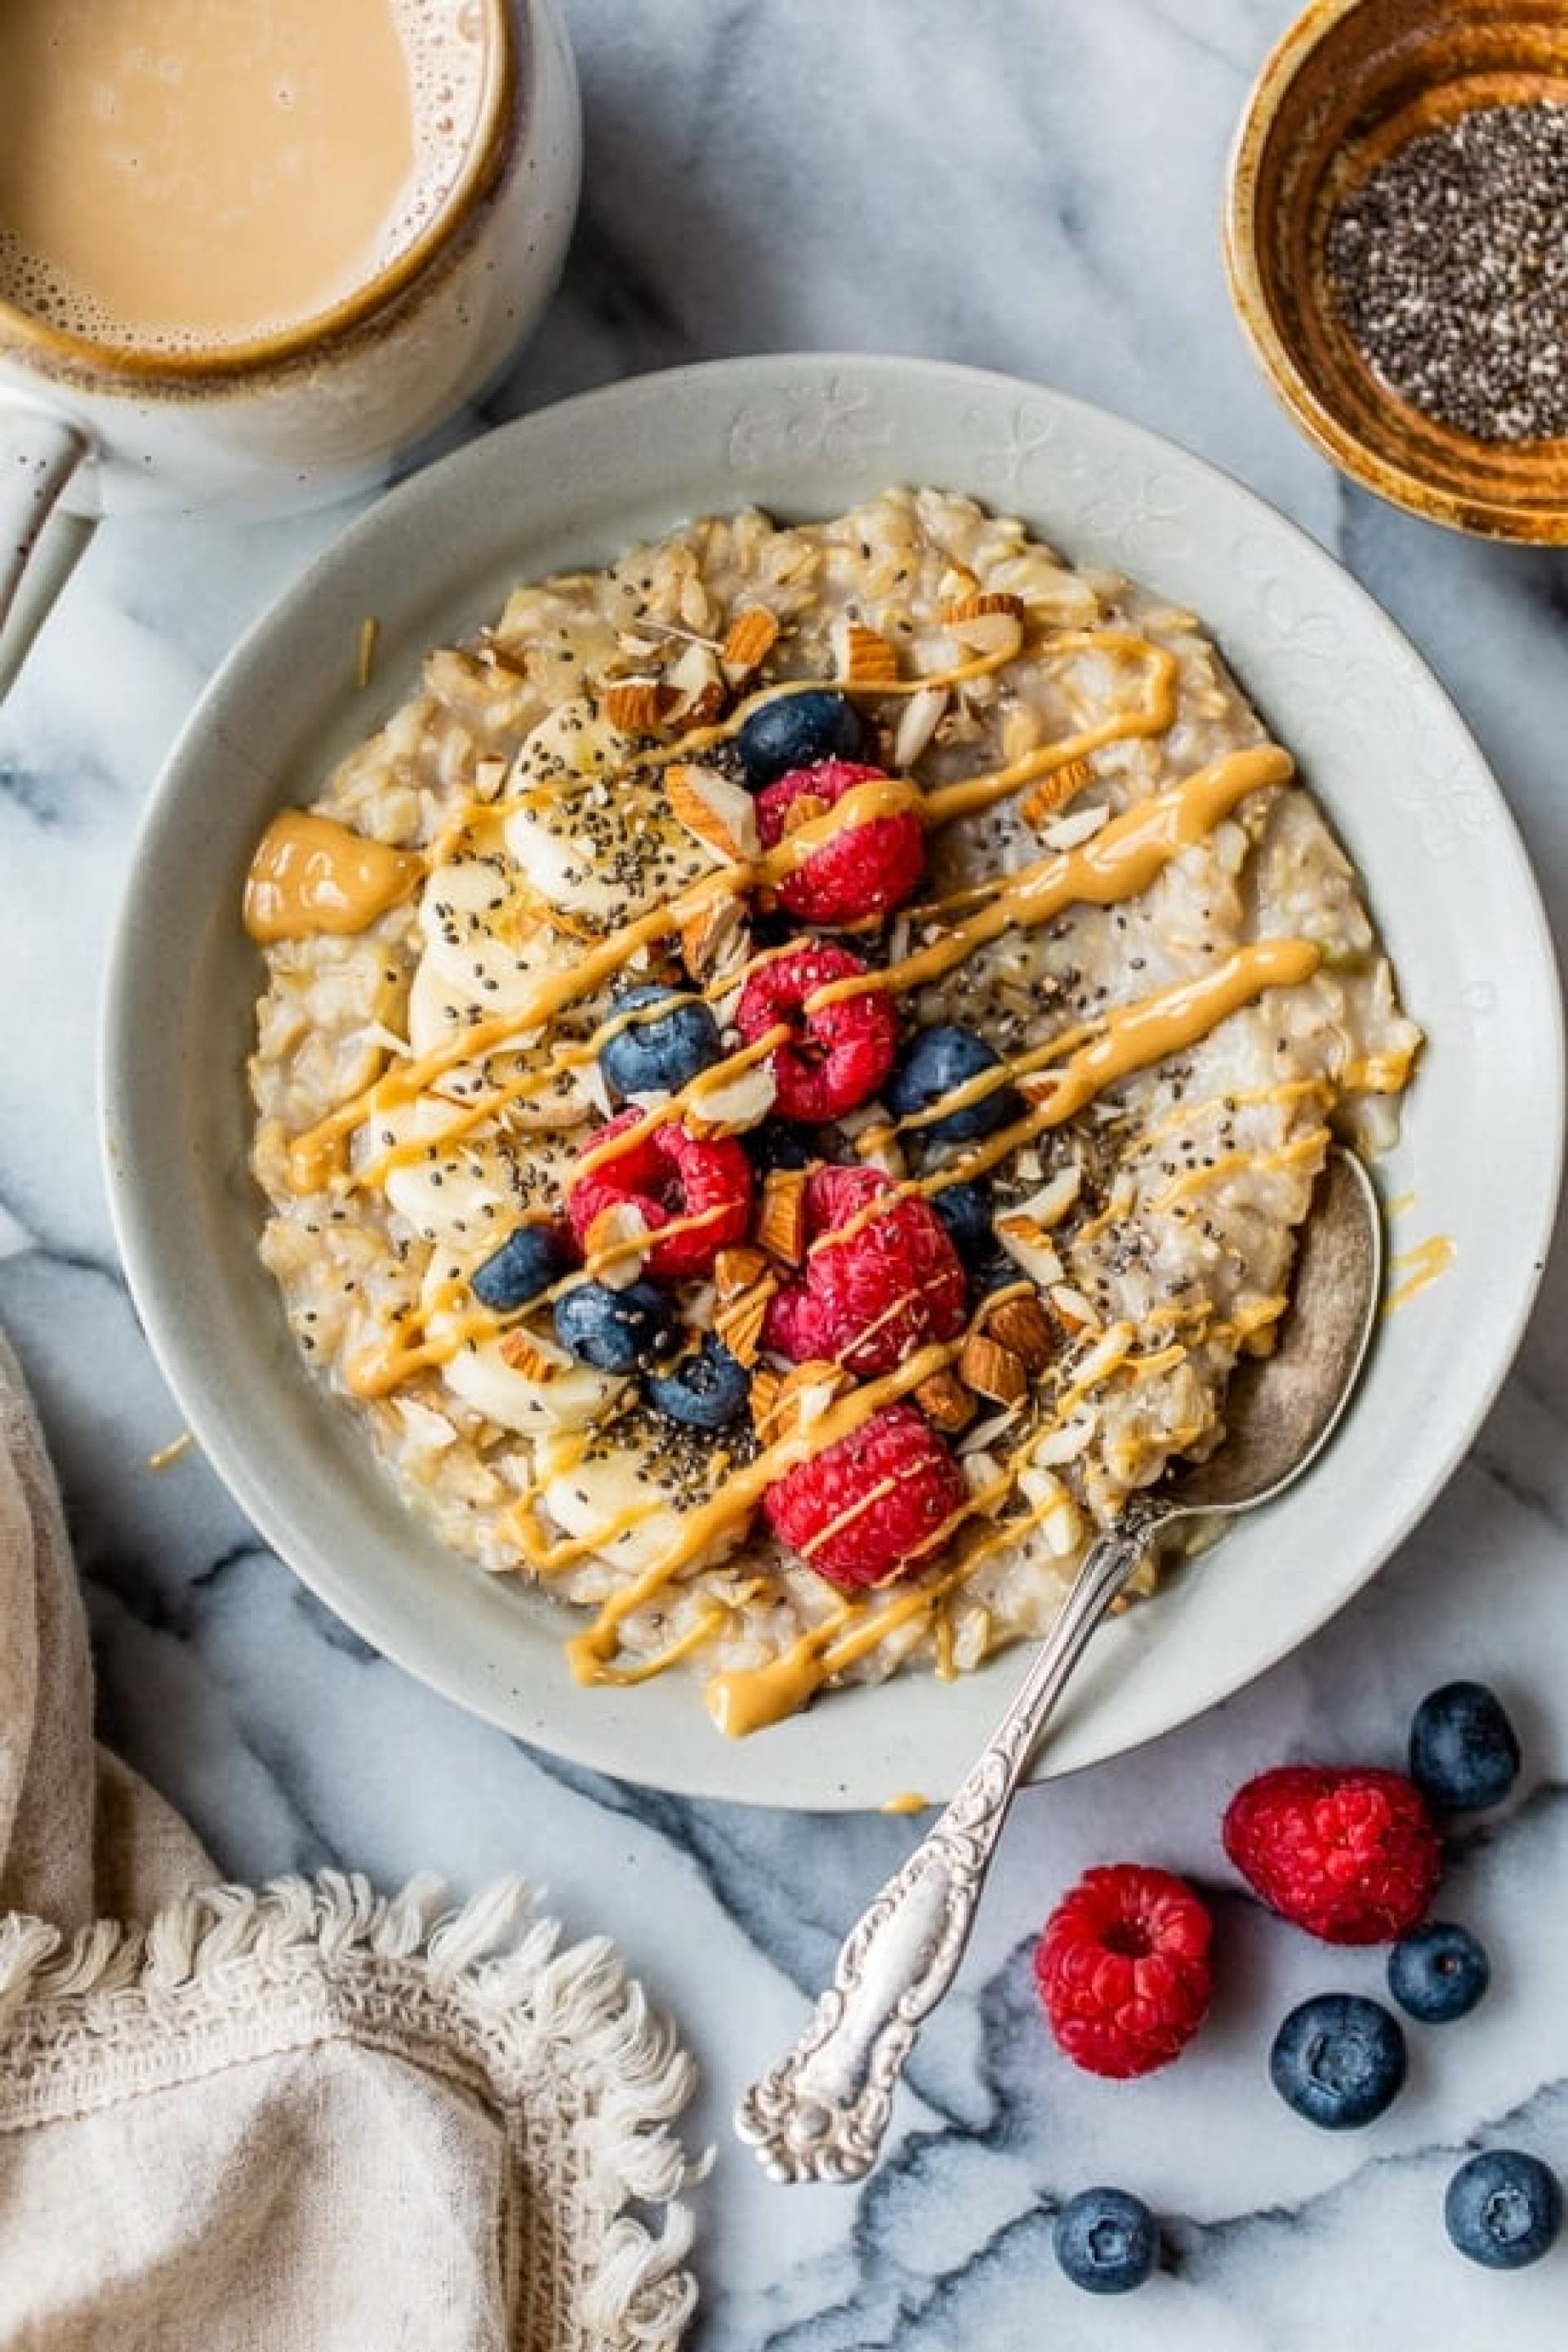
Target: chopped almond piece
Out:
[1054,792]
[864,658]
[518,1349]
[1019,1321]
[753,636]
[736,1269]
[993,1370]
[722,814]
[739,1322]
[781,1227]
[804,1395]
[946,1403]
[714,938]
[637,706]
[765,1386]
[983,600]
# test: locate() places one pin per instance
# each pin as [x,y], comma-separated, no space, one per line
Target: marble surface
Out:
[1028,187]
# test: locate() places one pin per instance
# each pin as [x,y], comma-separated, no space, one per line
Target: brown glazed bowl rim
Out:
[1537,521]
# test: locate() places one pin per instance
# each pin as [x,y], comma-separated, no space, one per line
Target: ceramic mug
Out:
[327,407]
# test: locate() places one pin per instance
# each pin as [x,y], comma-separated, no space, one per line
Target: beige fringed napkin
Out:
[300,2117]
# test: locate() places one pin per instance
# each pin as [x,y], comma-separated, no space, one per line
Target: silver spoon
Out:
[822,2112]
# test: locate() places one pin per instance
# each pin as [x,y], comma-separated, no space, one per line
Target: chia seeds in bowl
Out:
[1449,265]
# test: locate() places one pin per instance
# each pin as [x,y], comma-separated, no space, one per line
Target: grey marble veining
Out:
[1030,185]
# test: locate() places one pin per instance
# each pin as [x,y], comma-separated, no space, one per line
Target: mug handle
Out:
[39,452]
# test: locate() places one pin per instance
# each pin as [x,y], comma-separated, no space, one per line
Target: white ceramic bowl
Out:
[804,436]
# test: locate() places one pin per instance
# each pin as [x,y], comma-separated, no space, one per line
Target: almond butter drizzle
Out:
[1418,1268]
[311,874]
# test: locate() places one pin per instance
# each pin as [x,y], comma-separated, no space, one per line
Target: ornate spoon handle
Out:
[821,2112]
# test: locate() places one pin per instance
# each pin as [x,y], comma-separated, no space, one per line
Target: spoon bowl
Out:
[822,2112]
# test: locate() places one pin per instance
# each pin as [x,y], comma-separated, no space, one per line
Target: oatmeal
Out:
[787,1077]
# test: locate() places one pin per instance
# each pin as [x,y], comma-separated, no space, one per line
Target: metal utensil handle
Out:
[822,2112]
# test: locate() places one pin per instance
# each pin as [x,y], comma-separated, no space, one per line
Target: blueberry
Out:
[776,1144]
[1337,2060]
[935,1062]
[796,730]
[1107,2241]
[658,1052]
[965,1210]
[1504,2209]
[993,1273]
[1464,1753]
[529,1259]
[1438,1972]
[614,1330]
[706,1389]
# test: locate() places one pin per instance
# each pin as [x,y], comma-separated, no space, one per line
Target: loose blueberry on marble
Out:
[1504,2209]
[1464,1751]
[1438,1972]
[529,1260]
[658,1051]
[965,1210]
[796,731]
[934,1062]
[614,1330]
[1339,2060]
[1107,2241]
[706,1390]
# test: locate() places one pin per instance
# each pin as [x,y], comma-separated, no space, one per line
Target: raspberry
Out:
[670,1175]
[874,1505]
[868,1301]
[836,1056]
[1122,1969]
[1348,1854]
[866,869]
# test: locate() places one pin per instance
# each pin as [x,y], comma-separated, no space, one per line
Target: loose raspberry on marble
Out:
[893,1285]
[1349,1853]
[1122,1969]
[835,1055]
[873,1505]
[864,871]
[669,1175]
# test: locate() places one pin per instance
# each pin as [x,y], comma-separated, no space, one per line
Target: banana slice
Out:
[609,1500]
[606,853]
[574,739]
[485,941]
[570,1398]
[453,1197]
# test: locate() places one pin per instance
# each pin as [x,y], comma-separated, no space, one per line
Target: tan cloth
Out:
[303,2117]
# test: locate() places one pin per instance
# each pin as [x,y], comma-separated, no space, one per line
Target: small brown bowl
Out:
[1352,80]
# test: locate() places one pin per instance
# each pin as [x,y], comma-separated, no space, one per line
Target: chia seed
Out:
[1450,266]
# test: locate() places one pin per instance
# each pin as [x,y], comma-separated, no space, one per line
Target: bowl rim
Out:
[171,806]
[1474,514]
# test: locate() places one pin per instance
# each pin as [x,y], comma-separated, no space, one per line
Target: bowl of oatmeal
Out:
[750,1082]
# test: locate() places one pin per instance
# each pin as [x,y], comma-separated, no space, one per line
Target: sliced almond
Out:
[991,628]
[1073,1310]
[1021,1323]
[1028,1245]
[1023,731]
[523,1353]
[617,1245]
[803,1396]
[730,1101]
[946,1403]
[752,638]
[992,1370]
[982,1473]
[639,706]
[722,814]
[918,722]
[716,939]
[736,1269]
[1071,832]
[781,1225]
[864,658]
